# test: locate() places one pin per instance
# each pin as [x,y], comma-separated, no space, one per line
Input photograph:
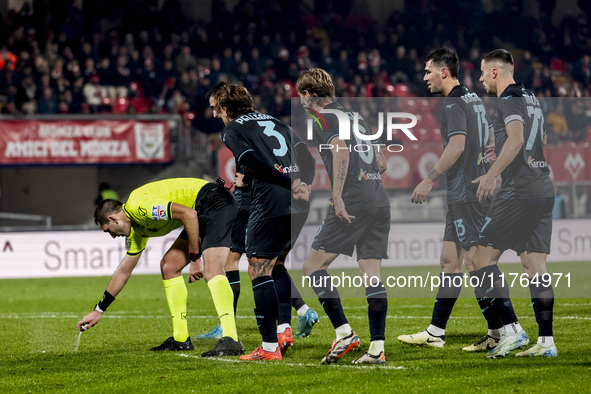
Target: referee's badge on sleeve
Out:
[159,212]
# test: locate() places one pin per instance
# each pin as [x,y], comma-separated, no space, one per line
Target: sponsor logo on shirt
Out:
[536,163]
[159,212]
[368,176]
[287,169]
[481,159]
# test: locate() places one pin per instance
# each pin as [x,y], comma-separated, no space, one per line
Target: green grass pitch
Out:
[38,334]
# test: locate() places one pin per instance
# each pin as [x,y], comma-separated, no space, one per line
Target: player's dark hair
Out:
[317,82]
[499,55]
[215,89]
[235,98]
[447,58]
[104,209]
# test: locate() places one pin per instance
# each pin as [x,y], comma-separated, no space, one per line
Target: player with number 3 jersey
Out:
[282,168]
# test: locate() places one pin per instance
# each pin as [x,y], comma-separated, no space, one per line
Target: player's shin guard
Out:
[495,287]
[377,309]
[542,298]
[234,279]
[328,297]
[491,314]
[448,293]
[283,286]
[176,295]
[222,296]
[265,301]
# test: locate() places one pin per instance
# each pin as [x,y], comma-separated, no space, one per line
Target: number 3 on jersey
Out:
[271,132]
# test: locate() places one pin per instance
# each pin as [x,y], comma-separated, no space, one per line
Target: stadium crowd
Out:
[145,56]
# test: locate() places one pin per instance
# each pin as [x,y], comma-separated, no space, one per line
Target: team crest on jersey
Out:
[159,212]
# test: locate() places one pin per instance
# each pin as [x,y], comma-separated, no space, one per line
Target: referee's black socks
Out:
[448,293]
[328,297]
[377,308]
[265,302]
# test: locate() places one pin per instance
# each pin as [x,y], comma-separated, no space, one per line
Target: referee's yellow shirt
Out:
[148,207]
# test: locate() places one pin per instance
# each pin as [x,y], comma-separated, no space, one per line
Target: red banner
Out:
[569,163]
[83,142]
[407,168]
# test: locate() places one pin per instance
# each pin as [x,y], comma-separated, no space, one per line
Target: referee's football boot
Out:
[507,343]
[539,351]
[484,344]
[340,347]
[423,338]
[216,333]
[225,347]
[171,345]
[306,323]
[368,358]
[285,340]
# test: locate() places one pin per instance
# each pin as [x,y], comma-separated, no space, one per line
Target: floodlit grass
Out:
[38,335]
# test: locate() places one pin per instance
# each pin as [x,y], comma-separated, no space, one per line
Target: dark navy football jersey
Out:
[363,186]
[528,175]
[273,142]
[464,113]
[243,194]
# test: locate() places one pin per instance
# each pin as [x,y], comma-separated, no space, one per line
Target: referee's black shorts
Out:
[239,231]
[523,225]
[216,210]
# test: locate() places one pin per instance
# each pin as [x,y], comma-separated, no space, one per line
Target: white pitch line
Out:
[229,360]
[124,315]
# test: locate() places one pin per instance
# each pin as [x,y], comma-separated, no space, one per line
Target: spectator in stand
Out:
[575,118]
[48,103]
[150,81]
[557,120]
[93,94]
[185,61]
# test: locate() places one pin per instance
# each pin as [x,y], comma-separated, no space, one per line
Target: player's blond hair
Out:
[317,83]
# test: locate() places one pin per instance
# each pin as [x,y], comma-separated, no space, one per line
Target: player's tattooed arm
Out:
[340,159]
[342,170]
[433,175]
